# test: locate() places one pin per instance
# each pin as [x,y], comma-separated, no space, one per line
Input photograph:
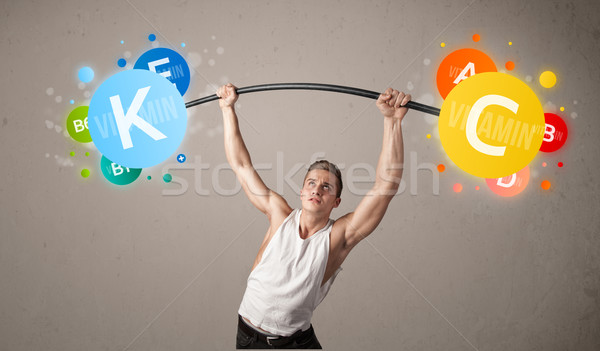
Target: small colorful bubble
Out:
[71,101]
[152,37]
[181,158]
[85,74]
[428,136]
[443,45]
[509,65]
[121,62]
[85,172]
[441,168]
[122,41]
[167,178]
[72,153]
[457,188]
[182,45]
[545,184]
[476,37]
[560,164]
[547,79]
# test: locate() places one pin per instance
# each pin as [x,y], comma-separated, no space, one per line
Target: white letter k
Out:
[124,121]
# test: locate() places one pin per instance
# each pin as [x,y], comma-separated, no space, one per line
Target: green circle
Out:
[149,177]
[87,153]
[118,174]
[77,125]
[167,178]
[85,172]
[72,153]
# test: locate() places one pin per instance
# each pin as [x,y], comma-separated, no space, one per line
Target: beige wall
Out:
[85,265]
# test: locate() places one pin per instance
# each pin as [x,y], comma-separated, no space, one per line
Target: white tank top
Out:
[285,287]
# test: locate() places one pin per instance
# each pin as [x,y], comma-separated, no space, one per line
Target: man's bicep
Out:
[366,217]
[263,198]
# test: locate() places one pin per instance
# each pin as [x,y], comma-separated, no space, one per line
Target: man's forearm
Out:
[235,148]
[390,165]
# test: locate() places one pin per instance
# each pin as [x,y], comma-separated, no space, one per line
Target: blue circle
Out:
[168,63]
[85,74]
[152,37]
[122,42]
[137,118]
[72,101]
[181,158]
[182,45]
[121,62]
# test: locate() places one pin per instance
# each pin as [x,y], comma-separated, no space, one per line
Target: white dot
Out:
[47,155]
[50,91]
[56,156]
[529,78]
[410,86]
[155,44]
[574,102]
[194,59]
[81,85]
[211,62]
[220,50]
[86,94]
[573,115]
[58,128]
[127,54]
[426,62]
[58,98]
[213,37]
[205,51]
[49,124]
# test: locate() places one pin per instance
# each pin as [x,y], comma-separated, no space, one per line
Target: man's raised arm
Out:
[367,215]
[263,198]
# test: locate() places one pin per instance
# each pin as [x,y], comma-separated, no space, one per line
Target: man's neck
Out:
[311,223]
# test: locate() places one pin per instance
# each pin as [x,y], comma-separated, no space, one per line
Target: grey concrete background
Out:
[85,265]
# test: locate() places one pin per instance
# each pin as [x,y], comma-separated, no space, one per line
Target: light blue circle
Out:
[181,158]
[122,42]
[176,69]
[72,101]
[162,112]
[182,45]
[85,74]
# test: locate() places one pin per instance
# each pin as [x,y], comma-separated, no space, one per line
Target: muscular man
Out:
[303,249]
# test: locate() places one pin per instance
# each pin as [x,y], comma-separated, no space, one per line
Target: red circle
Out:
[510,65]
[555,134]
[560,164]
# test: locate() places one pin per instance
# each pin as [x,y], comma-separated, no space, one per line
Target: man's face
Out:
[319,191]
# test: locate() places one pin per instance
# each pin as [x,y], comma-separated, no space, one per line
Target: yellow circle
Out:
[547,79]
[428,136]
[510,43]
[443,44]
[562,108]
[491,125]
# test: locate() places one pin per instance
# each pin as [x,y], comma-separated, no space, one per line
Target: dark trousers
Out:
[247,338]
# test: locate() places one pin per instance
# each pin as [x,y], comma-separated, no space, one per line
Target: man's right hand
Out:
[228,95]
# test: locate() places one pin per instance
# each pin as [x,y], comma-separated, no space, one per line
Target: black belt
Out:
[272,340]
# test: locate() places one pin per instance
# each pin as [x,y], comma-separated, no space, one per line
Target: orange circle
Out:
[457,188]
[476,37]
[510,65]
[546,185]
[441,168]
[456,62]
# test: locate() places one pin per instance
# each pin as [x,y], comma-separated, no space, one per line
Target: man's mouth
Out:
[315,200]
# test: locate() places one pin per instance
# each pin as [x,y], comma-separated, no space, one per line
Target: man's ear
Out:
[337,202]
